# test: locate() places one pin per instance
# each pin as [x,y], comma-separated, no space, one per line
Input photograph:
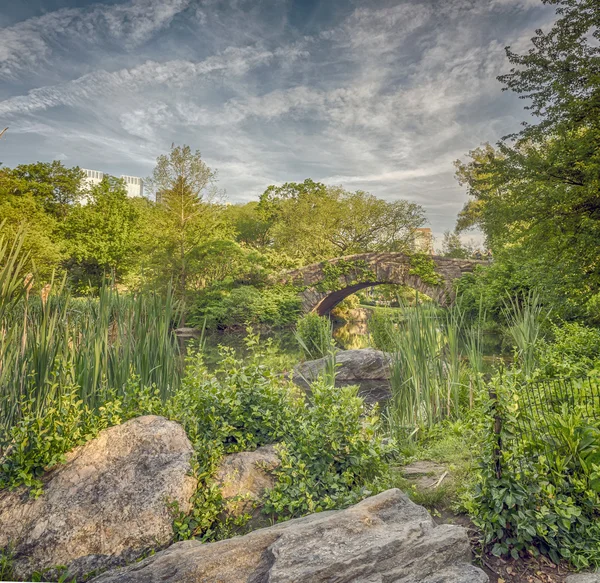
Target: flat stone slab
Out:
[583,578]
[364,364]
[424,474]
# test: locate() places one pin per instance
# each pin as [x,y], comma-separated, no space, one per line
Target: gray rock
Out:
[243,479]
[425,474]
[583,578]
[354,366]
[386,538]
[107,504]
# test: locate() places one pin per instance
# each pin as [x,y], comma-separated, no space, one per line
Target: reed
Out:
[51,342]
[314,335]
[524,318]
[429,375]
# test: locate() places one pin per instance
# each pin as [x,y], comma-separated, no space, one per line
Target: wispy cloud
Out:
[380,95]
[31,44]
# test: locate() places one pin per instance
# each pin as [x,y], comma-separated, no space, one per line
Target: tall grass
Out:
[524,317]
[314,335]
[51,342]
[429,372]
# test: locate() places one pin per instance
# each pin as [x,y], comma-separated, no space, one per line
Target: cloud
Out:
[380,95]
[30,44]
[174,74]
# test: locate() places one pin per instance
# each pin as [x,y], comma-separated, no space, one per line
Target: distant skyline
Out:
[374,95]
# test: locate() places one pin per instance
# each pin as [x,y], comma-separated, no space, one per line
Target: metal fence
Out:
[548,411]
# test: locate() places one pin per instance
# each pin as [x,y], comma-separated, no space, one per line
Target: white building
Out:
[133,184]
[93,177]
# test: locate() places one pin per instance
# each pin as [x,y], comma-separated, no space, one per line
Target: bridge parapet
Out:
[327,283]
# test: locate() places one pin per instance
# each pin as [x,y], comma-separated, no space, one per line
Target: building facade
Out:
[423,241]
[133,184]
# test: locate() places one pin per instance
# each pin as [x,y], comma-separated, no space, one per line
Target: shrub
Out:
[383,330]
[315,335]
[544,497]
[573,350]
[330,450]
[223,307]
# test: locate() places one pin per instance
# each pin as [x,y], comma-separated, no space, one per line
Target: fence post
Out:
[497,453]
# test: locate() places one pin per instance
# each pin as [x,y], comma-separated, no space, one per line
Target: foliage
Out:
[39,440]
[330,451]
[383,329]
[314,334]
[423,266]
[452,246]
[573,350]
[335,453]
[313,221]
[100,236]
[52,185]
[53,346]
[184,188]
[430,380]
[535,196]
[524,318]
[538,486]
[226,306]
[343,273]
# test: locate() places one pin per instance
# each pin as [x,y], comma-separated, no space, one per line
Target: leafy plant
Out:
[538,486]
[330,450]
[314,334]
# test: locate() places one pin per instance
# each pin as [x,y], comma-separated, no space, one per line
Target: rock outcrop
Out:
[243,479]
[107,504]
[365,364]
[386,538]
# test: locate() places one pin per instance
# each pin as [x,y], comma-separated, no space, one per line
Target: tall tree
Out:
[185,190]
[536,195]
[101,236]
[312,221]
[54,185]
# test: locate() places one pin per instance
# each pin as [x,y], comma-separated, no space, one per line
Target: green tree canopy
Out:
[537,195]
[101,235]
[312,221]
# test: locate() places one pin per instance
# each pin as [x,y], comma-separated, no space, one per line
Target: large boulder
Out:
[244,478]
[386,538]
[365,364]
[106,505]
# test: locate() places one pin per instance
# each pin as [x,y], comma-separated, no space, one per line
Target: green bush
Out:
[315,335]
[224,307]
[331,451]
[382,327]
[330,446]
[574,350]
[544,494]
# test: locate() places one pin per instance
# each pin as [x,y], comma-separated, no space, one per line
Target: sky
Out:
[374,95]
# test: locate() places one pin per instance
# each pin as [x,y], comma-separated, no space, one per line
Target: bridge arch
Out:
[326,284]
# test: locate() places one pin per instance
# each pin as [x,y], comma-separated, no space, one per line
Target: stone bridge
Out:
[326,284]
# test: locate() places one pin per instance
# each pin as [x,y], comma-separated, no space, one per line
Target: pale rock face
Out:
[354,366]
[244,478]
[383,539]
[107,504]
